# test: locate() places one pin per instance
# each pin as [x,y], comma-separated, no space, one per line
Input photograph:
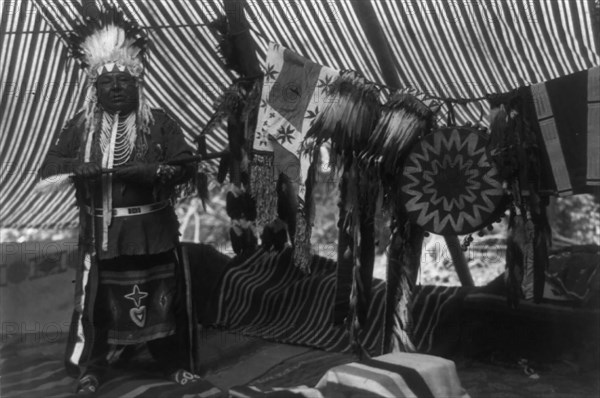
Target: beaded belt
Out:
[132,211]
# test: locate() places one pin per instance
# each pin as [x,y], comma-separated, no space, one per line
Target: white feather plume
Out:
[110,44]
[53,183]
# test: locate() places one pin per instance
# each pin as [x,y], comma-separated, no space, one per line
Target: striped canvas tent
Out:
[458,49]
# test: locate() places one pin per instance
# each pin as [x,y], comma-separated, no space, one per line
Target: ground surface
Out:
[32,367]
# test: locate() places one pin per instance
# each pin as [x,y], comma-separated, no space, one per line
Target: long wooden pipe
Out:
[182,161]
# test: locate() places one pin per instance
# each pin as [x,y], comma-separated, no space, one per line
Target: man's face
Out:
[117,92]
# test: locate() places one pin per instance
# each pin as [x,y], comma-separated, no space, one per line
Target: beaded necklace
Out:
[124,142]
[117,140]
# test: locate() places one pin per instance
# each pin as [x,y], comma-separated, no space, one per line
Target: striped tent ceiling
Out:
[458,49]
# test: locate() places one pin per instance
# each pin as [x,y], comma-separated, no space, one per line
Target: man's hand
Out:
[87,170]
[167,174]
[144,173]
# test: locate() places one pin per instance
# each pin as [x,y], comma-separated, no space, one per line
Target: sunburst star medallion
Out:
[449,186]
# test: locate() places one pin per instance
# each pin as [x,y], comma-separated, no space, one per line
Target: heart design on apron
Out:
[138,315]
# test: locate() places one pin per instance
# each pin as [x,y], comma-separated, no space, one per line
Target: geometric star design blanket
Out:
[294,92]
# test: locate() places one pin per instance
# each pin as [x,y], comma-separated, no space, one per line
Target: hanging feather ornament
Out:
[242,231]
[238,106]
[201,178]
[343,288]
[403,121]
[287,203]
[402,267]
[502,145]
[242,211]
[516,250]
[347,122]
[226,45]
[239,103]
[514,148]
[303,219]
[368,189]
[541,243]
[249,118]
[360,226]
[348,119]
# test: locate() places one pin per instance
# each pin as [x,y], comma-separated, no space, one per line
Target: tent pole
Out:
[390,70]
[378,41]
[459,260]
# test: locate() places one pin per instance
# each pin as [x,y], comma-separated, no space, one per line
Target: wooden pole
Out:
[458,259]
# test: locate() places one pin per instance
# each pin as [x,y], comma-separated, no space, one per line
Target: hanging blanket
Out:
[266,296]
[294,92]
[568,113]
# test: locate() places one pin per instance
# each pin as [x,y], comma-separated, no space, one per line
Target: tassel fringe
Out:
[402,327]
[302,247]
[304,219]
[263,188]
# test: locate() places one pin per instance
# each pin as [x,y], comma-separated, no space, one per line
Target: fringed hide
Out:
[515,148]
[263,187]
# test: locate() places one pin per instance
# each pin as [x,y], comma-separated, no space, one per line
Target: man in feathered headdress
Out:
[133,282]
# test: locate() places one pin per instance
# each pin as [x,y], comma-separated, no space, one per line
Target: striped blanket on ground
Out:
[266,296]
[394,375]
[391,375]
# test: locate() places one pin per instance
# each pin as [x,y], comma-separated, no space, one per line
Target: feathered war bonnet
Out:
[106,43]
[109,43]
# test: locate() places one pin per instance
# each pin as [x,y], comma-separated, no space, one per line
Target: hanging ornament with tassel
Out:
[239,107]
[304,217]
[347,122]
[404,120]
[398,319]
